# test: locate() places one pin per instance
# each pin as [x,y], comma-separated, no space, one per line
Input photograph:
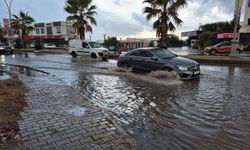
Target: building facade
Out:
[132,43]
[246,24]
[59,31]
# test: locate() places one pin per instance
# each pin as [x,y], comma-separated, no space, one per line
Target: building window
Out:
[49,30]
[57,24]
[248,21]
[37,31]
[42,30]
[58,29]
[39,25]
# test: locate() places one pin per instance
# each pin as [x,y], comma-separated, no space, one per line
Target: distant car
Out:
[224,47]
[32,45]
[4,48]
[195,46]
[49,45]
[152,59]
[89,48]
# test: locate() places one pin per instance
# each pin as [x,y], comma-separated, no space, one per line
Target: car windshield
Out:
[1,44]
[95,45]
[163,54]
[222,43]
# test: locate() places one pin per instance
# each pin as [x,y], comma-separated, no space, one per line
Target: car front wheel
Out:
[167,69]
[93,55]
[125,65]
[74,55]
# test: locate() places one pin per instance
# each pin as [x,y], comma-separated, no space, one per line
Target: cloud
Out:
[140,18]
[113,25]
[124,18]
[203,7]
[117,2]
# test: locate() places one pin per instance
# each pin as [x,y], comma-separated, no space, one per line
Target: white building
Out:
[131,43]
[59,30]
[246,24]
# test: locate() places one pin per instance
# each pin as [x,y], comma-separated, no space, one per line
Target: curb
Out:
[48,51]
[219,59]
[31,68]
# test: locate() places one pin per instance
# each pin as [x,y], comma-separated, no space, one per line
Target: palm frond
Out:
[82,13]
[171,26]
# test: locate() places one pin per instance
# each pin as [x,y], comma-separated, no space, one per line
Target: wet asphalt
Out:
[212,112]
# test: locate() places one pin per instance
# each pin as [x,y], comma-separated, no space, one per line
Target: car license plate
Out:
[197,72]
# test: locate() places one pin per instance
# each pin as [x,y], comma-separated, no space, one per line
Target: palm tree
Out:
[82,14]
[166,12]
[23,25]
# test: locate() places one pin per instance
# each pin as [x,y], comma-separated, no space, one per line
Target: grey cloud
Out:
[115,25]
[227,6]
[140,18]
[117,2]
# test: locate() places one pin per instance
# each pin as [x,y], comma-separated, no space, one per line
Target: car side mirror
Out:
[154,58]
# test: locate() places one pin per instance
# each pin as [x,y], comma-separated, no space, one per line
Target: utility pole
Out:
[9,11]
[237,14]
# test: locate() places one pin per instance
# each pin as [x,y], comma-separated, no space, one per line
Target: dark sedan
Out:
[152,59]
[6,49]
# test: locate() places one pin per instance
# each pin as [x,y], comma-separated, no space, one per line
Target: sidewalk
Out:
[58,117]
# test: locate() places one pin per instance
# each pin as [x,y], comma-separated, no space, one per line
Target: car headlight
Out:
[182,68]
[1,48]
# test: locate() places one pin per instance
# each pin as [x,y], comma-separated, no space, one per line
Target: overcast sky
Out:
[124,18]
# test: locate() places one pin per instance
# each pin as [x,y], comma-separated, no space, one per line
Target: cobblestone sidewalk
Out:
[58,117]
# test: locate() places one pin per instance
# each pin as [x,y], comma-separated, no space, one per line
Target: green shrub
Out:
[38,44]
[18,43]
[207,39]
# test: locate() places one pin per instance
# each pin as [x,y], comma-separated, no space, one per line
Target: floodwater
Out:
[77,111]
[212,112]
[4,76]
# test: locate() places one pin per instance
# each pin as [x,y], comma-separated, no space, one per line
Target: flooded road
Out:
[212,112]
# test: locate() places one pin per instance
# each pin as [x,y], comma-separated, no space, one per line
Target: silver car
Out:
[4,48]
[152,59]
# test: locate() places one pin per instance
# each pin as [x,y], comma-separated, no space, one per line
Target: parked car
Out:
[32,45]
[49,45]
[224,47]
[4,48]
[92,49]
[152,59]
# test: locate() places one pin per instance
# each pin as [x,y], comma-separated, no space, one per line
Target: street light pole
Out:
[9,11]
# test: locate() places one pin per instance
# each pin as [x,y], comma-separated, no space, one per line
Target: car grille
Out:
[194,68]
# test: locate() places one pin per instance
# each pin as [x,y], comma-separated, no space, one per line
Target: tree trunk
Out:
[23,39]
[81,31]
[163,40]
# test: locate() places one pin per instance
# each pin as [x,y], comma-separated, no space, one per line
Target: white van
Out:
[93,49]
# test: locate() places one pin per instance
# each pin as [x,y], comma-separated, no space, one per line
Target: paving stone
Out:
[47,124]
